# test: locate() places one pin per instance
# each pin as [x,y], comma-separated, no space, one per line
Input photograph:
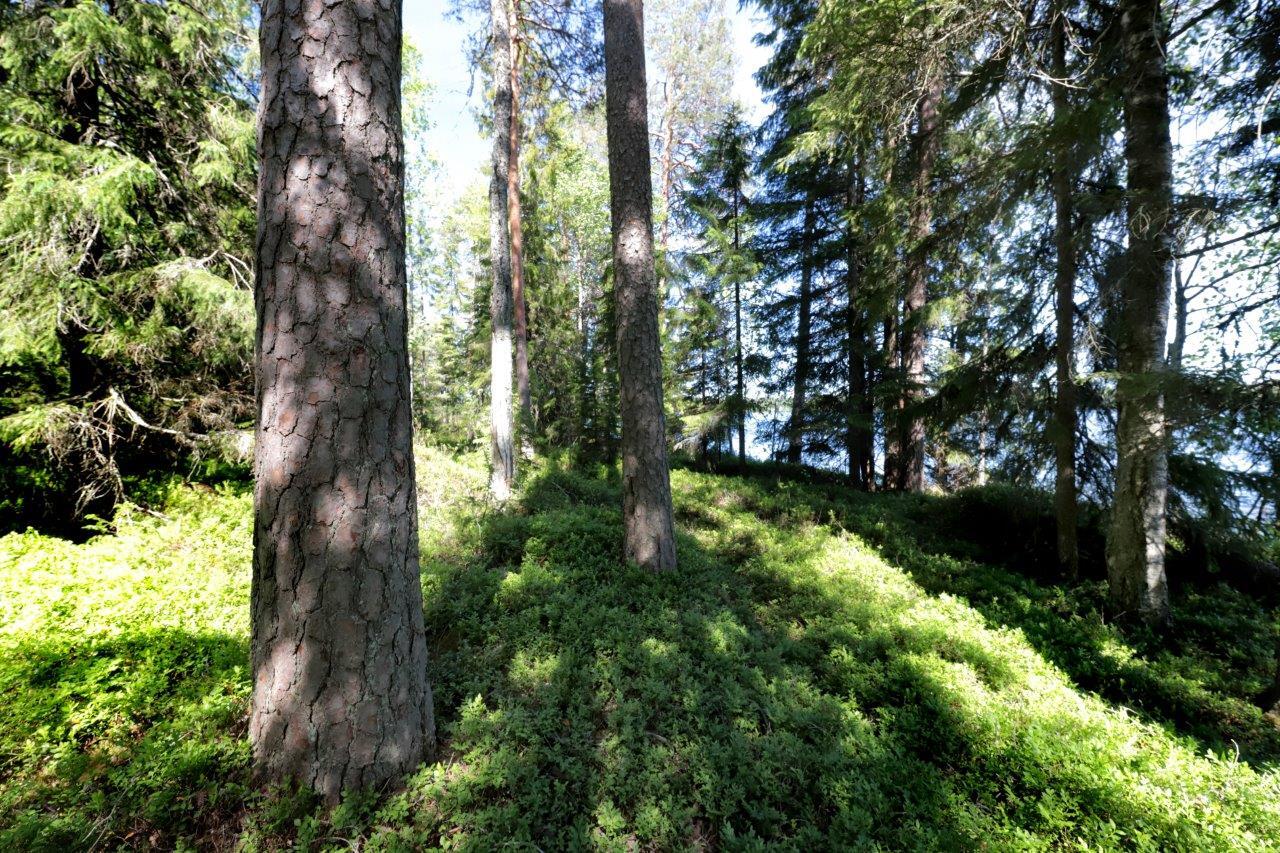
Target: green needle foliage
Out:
[127,175]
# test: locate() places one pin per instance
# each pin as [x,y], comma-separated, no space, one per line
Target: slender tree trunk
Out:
[515,226]
[858,437]
[1064,410]
[501,428]
[892,401]
[649,537]
[911,467]
[983,426]
[867,436]
[740,392]
[584,339]
[795,436]
[1135,550]
[666,167]
[340,693]
[1179,342]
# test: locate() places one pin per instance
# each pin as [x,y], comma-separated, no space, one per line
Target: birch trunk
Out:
[501,428]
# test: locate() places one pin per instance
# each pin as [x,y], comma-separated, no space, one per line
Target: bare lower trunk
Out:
[515,227]
[1064,410]
[340,693]
[892,402]
[795,436]
[1179,343]
[858,437]
[911,464]
[501,428]
[649,537]
[584,347]
[740,393]
[983,426]
[1135,549]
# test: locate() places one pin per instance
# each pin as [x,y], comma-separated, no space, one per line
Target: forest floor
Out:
[826,670]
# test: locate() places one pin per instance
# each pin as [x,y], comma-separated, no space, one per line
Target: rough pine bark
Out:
[1064,409]
[1136,546]
[340,693]
[911,461]
[649,537]
[501,429]
[804,321]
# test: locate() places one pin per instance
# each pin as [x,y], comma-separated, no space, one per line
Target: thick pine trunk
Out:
[649,537]
[515,227]
[795,435]
[340,693]
[1064,410]
[501,428]
[911,462]
[1135,549]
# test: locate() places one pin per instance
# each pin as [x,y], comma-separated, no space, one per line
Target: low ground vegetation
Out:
[827,670]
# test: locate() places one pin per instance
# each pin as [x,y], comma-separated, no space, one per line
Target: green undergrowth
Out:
[826,670]
[124,678]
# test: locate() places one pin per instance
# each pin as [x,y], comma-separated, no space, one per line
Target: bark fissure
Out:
[341,698]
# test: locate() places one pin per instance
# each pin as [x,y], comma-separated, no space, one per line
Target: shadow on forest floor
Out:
[146,725]
[1200,675]
[785,684]
[790,685]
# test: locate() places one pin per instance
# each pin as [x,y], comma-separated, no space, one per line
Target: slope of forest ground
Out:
[826,670]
